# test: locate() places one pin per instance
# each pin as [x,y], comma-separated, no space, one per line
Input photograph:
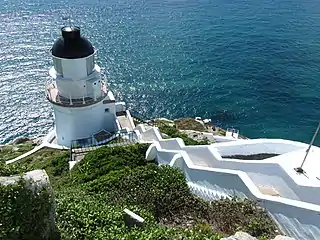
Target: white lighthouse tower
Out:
[82,104]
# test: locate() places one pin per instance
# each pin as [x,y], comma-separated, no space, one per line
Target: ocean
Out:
[252,65]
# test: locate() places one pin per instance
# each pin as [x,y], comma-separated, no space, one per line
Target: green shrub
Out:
[8,170]
[24,214]
[91,201]
[162,190]
[245,215]
[189,124]
[173,132]
[106,159]
[9,152]
[85,216]
[60,164]
[55,162]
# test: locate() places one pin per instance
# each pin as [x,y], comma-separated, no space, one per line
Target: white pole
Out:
[70,100]
[311,143]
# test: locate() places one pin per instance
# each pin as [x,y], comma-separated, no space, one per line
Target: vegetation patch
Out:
[90,200]
[8,152]
[189,124]
[8,170]
[173,132]
[55,162]
[25,213]
[105,159]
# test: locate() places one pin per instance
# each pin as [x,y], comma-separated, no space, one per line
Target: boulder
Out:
[27,207]
[21,140]
[246,236]
[131,219]
[279,237]
[240,236]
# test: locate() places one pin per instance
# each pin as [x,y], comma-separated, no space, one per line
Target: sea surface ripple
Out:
[253,65]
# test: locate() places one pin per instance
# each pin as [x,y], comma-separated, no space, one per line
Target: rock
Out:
[279,237]
[206,121]
[20,140]
[197,136]
[37,197]
[131,219]
[246,236]
[240,236]
[36,141]
[15,149]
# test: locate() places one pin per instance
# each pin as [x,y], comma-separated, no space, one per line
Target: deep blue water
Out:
[253,65]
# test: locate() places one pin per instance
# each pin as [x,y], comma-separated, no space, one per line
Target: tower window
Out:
[106,110]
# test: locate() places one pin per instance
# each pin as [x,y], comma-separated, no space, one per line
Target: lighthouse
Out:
[83,105]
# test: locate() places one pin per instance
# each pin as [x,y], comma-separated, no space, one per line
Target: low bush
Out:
[8,170]
[91,216]
[173,132]
[106,159]
[189,124]
[9,152]
[55,162]
[90,201]
[246,215]
[162,190]
[25,213]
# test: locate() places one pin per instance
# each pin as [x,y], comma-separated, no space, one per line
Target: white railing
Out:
[52,94]
[231,132]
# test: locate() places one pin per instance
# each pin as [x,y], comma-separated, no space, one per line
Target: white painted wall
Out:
[129,117]
[120,106]
[74,68]
[264,173]
[71,89]
[171,144]
[297,219]
[82,122]
[211,177]
[89,86]
[255,146]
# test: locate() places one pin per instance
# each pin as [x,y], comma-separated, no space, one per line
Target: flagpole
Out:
[299,169]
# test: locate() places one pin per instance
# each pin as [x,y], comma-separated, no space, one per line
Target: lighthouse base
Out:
[73,123]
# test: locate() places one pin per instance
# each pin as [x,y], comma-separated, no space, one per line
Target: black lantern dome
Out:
[72,45]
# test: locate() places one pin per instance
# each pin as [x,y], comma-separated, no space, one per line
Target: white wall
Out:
[70,88]
[171,144]
[298,219]
[74,68]
[218,177]
[255,146]
[120,106]
[82,122]
[263,173]
[88,86]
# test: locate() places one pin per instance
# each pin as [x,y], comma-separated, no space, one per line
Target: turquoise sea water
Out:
[253,65]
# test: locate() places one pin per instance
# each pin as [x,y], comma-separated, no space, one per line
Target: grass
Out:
[173,132]
[189,124]
[54,161]
[90,199]
[8,152]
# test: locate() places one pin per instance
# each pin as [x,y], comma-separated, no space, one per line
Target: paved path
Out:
[34,150]
[37,148]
